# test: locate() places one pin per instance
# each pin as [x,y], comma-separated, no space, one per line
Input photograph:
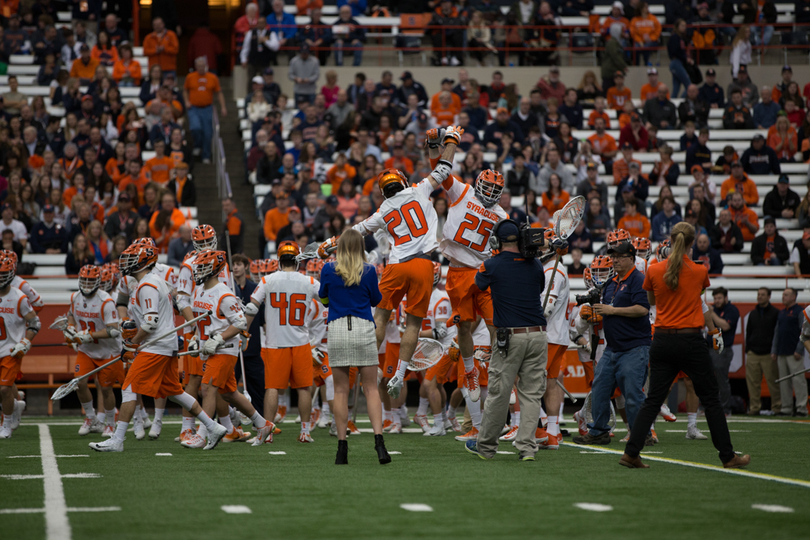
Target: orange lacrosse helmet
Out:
[643,247]
[389,179]
[89,279]
[587,277]
[488,187]
[204,237]
[208,264]
[270,266]
[146,241]
[255,269]
[109,277]
[663,251]
[11,255]
[616,236]
[8,269]
[601,270]
[437,273]
[288,251]
[137,258]
[314,267]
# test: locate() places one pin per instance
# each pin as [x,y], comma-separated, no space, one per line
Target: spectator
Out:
[745,218]
[678,58]
[79,256]
[788,349]
[358,6]
[304,72]
[759,334]
[666,171]
[660,112]
[699,154]
[603,144]
[740,50]
[737,115]
[479,38]
[765,112]
[770,248]
[410,86]
[725,316]
[9,222]
[664,220]
[618,95]
[48,236]
[259,49]
[519,177]
[759,158]
[589,89]
[799,255]
[524,118]
[636,224]
[711,92]
[180,246]
[592,182]
[123,220]
[105,52]
[543,39]
[161,47]
[693,108]
[127,70]
[446,35]
[634,134]
[555,198]
[84,67]
[135,176]
[750,94]
[566,143]
[621,166]
[276,218]
[165,223]
[613,60]
[635,181]
[570,109]
[199,91]
[704,252]
[739,182]
[553,165]
[783,140]
[349,35]
[726,237]
[616,19]
[645,31]
[98,242]
[116,34]
[494,132]
[597,219]
[183,186]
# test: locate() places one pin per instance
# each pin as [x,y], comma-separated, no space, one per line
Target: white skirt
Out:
[355,347]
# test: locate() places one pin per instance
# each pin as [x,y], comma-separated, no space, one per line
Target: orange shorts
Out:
[353,377]
[107,376]
[483,373]
[467,300]
[556,358]
[321,372]
[289,366]
[414,278]
[441,370]
[194,365]
[218,372]
[9,367]
[154,375]
[391,359]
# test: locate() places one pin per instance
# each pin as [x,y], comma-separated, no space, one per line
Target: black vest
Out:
[804,257]
[259,54]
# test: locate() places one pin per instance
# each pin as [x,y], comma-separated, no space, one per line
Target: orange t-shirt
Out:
[434,101]
[746,186]
[680,308]
[649,91]
[616,98]
[603,144]
[139,182]
[303,6]
[549,203]
[621,169]
[594,115]
[112,169]
[167,59]
[407,164]
[201,88]
[745,212]
[80,70]
[67,196]
[132,70]
[336,176]
[158,169]
[175,222]
[234,224]
[638,226]
[274,221]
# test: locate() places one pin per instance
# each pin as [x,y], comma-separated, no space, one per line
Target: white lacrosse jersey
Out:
[641,265]
[557,325]
[227,311]
[316,321]
[153,296]
[92,315]
[440,309]
[480,335]
[468,226]
[410,220]
[28,290]
[185,277]
[127,285]
[13,308]
[287,298]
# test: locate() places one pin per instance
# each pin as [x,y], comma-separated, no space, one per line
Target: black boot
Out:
[382,453]
[342,457]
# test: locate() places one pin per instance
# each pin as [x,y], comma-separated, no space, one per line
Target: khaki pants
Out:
[757,366]
[798,385]
[528,354]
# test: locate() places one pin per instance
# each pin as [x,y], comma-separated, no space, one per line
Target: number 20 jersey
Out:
[468,227]
[287,298]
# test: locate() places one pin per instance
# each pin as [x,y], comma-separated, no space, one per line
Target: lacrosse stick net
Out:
[588,408]
[567,219]
[427,354]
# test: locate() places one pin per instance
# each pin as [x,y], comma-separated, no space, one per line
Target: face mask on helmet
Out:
[587,278]
[643,247]
[489,187]
[207,264]
[89,280]
[7,271]
[204,237]
[601,270]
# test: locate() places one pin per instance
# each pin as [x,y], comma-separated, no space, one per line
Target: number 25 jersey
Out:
[287,297]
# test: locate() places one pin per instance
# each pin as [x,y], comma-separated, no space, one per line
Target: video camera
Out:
[530,240]
[592,297]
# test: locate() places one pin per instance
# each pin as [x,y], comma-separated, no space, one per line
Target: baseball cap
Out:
[627,146]
[87,97]
[689,212]
[295,209]
[783,179]
[554,69]
[736,164]
[508,232]
[635,117]
[623,247]
[632,165]
[268,71]
[257,80]
[422,118]
[711,72]
[406,76]
[84,47]
[618,74]
[331,200]
[591,165]
[787,68]
[619,5]
[48,208]
[4,207]
[770,220]
[696,168]
[743,69]
[448,80]
[652,71]
[758,137]
[503,110]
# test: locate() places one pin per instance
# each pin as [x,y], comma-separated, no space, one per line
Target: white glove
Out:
[212,344]
[194,346]
[452,134]
[587,346]
[84,337]
[251,309]
[440,331]
[21,348]
[717,340]
[482,355]
[318,356]
[394,386]
[401,326]
[70,334]
[549,309]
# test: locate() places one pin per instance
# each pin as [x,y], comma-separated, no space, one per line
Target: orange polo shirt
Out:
[158,169]
[274,221]
[594,115]
[638,226]
[602,144]
[679,308]
[336,176]
[139,182]
[133,70]
[80,70]
[649,91]
[167,59]
[201,88]
[176,220]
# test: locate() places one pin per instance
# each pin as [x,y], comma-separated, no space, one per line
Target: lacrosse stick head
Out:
[427,354]
[59,323]
[309,252]
[65,390]
[568,217]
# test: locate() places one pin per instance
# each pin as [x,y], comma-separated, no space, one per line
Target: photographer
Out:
[624,314]
[522,346]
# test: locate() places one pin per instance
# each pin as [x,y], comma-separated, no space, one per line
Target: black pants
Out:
[669,354]
[254,371]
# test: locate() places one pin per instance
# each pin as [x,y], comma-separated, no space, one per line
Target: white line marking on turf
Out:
[42,510]
[82,475]
[652,452]
[163,454]
[395,453]
[587,452]
[277,453]
[19,457]
[236,509]
[730,431]
[57,525]
[594,507]
[416,507]
[773,508]
[504,452]
[22,476]
[736,472]
[95,509]
[22,511]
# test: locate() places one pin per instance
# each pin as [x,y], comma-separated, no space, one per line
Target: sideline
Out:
[57,525]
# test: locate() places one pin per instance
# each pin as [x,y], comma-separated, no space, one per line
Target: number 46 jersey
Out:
[287,297]
[469,226]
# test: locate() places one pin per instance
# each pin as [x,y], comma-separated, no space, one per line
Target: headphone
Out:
[494,241]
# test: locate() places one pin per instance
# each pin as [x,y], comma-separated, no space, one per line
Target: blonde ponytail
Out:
[682,237]
[350,257]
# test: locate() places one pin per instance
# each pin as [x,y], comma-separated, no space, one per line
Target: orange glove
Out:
[128,329]
[452,135]
[327,248]
[587,314]
[433,137]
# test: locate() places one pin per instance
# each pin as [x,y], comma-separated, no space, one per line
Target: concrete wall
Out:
[524,77]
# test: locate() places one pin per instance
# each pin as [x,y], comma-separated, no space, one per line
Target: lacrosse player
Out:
[323,382]
[482,350]
[24,286]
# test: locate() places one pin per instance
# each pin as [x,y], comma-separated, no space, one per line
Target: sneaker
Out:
[396,428]
[422,421]
[473,390]
[110,445]
[87,426]
[510,435]
[625,438]
[666,414]
[582,425]
[593,439]
[693,433]
[737,462]
[324,420]
[206,161]
[108,432]
[551,443]
[403,416]
[333,430]
[305,438]
[395,386]
[471,435]
[471,446]
[264,435]
[352,429]
[505,429]
[436,431]
[387,425]
[540,435]
[281,413]
[154,431]
[147,423]
[16,415]
[237,435]
[192,440]
[527,457]
[140,432]
[654,436]
[453,424]
[454,61]
[185,434]
[214,436]
[5,432]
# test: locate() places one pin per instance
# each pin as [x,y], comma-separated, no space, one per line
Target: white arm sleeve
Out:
[232,310]
[109,314]
[370,225]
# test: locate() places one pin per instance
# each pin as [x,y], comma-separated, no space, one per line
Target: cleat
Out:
[527,457]
[582,425]
[298,419]
[551,443]
[264,435]
[666,414]
[471,435]
[97,426]
[473,390]
[693,433]
[237,435]
[506,428]
[452,423]
[333,429]
[276,430]
[436,431]
[140,433]
[108,432]
[395,386]
[281,414]
[352,429]
[185,434]
[387,425]
[110,445]
[540,435]
[193,440]
[403,416]
[510,435]
[236,416]
[305,438]
[325,420]
[147,423]
[513,397]
[219,432]
[649,441]
[85,428]
[593,439]
[623,439]
[654,436]
[396,428]
[5,432]
[154,431]
[422,421]
[471,446]
[16,415]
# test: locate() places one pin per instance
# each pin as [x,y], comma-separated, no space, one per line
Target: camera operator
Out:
[521,347]
[624,313]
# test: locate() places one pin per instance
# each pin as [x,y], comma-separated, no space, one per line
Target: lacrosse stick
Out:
[61,323]
[70,387]
[588,408]
[309,252]
[186,353]
[792,375]
[427,354]
[567,393]
[233,288]
[565,222]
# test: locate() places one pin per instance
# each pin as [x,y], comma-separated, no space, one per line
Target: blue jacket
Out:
[662,225]
[287,22]
[712,94]
[765,115]
[358,7]
[788,328]
[625,333]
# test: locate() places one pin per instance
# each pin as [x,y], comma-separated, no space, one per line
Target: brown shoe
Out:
[737,462]
[632,462]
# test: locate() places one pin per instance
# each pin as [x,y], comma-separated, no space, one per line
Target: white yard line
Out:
[57,525]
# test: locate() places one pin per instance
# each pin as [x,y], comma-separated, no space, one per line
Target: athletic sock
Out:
[388,416]
[109,417]
[226,423]
[100,415]
[188,423]
[120,431]
[206,420]
[451,411]
[561,409]
[144,414]
[553,426]
[159,414]
[691,419]
[516,418]
[325,408]
[469,363]
[475,412]
[89,411]
[397,421]
[258,420]
[305,427]
[438,419]
[423,406]
[7,419]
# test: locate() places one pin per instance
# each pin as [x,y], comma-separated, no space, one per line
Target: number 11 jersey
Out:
[468,227]
[287,297]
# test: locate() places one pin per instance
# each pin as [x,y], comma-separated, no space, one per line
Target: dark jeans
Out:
[669,354]
[254,371]
[721,362]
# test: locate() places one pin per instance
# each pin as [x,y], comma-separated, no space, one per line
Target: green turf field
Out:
[302,494]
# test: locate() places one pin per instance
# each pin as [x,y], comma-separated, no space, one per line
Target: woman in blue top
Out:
[349,289]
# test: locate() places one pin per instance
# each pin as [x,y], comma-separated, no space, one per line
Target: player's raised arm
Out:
[452,136]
